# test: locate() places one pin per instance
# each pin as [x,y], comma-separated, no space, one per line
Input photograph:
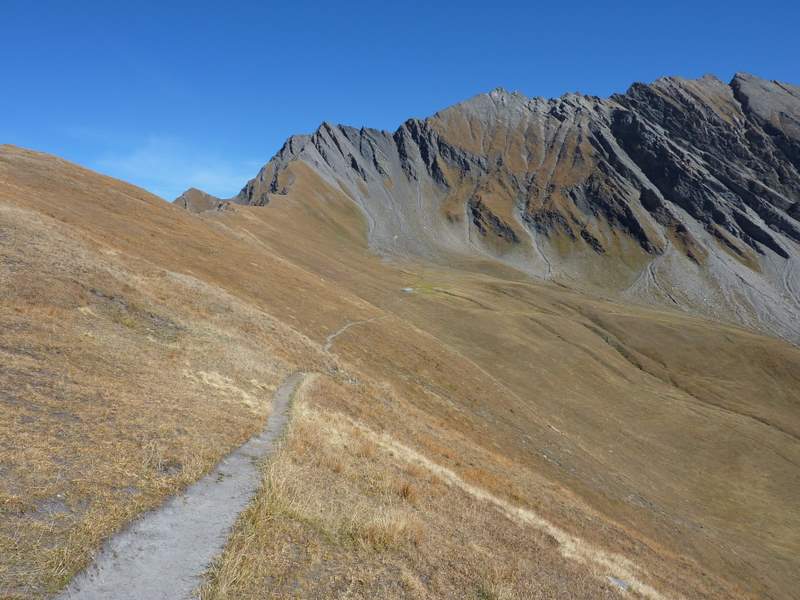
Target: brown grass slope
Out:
[481,436]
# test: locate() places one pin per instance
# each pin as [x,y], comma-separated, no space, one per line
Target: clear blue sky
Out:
[176,94]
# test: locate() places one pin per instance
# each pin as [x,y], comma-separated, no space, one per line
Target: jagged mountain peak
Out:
[500,101]
[743,77]
[708,78]
[501,94]
[681,191]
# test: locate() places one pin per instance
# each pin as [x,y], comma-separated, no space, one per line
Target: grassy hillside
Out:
[469,432]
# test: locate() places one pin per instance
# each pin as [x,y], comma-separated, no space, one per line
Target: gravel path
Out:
[332,337]
[163,554]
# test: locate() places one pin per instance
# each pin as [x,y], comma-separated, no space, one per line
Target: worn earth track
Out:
[163,554]
[332,337]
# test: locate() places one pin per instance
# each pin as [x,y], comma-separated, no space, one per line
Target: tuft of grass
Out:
[407,491]
[387,528]
[366,449]
[497,583]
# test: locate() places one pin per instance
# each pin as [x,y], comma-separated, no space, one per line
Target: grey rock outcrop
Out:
[682,192]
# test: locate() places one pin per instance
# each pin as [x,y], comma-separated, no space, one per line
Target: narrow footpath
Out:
[163,554]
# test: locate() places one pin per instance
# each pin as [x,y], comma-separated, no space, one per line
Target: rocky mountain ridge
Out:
[681,192]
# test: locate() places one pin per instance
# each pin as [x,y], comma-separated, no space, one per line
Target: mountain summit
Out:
[464,420]
[682,192]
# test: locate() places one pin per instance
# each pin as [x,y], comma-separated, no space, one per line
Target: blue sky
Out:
[169,95]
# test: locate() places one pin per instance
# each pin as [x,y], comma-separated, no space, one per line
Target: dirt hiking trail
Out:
[163,554]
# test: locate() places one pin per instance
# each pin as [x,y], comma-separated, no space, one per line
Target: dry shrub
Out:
[415,471]
[152,457]
[333,462]
[412,586]
[496,591]
[12,504]
[367,449]
[307,442]
[283,496]
[407,491]
[498,584]
[388,528]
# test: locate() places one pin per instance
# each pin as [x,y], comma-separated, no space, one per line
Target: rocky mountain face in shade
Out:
[681,192]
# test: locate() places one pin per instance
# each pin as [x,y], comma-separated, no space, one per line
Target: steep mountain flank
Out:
[465,430]
[682,192]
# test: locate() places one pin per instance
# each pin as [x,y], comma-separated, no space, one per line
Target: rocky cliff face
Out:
[684,192]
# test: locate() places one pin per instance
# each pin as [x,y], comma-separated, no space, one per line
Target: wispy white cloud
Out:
[167,166]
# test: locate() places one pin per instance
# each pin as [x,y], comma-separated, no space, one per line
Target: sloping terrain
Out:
[470,432]
[682,193]
[164,555]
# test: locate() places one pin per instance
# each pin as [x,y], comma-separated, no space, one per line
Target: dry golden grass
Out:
[370,524]
[139,343]
[332,520]
[112,397]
